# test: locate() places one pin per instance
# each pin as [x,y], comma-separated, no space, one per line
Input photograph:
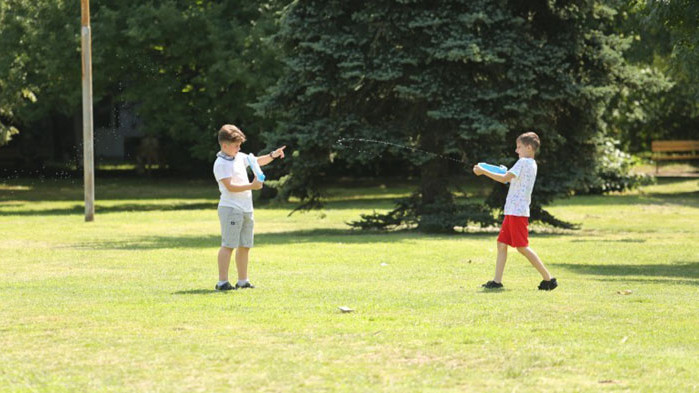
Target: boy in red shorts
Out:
[514,230]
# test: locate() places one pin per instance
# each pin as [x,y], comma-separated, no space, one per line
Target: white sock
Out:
[222,282]
[243,282]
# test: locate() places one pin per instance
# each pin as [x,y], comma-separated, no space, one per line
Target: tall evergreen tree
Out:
[456,77]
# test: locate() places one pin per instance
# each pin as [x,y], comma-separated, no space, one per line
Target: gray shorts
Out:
[236,227]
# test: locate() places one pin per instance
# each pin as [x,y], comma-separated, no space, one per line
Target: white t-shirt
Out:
[236,169]
[519,196]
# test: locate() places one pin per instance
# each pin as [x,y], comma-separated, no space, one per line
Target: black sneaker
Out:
[548,285]
[244,286]
[492,285]
[225,287]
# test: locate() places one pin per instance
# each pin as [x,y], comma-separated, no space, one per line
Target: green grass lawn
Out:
[126,303]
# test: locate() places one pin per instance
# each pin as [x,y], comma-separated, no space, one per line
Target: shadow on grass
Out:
[121,208]
[689,271]
[288,238]
[197,292]
[688,198]
[487,291]
[608,241]
[45,190]
[683,198]
[79,209]
[53,190]
[652,281]
[295,238]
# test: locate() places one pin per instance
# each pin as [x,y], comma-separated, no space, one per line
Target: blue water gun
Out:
[255,166]
[498,170]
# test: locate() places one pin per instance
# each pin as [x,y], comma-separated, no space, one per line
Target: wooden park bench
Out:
[674,150]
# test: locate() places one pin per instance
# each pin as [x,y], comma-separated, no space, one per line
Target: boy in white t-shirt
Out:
[235,207]
[514,231]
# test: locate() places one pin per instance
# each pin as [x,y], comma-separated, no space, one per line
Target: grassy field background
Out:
[126,303]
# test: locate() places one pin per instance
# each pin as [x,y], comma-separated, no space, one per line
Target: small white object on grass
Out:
[384,264]
[345,309]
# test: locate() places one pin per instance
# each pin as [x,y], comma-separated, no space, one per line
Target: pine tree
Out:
[452,77]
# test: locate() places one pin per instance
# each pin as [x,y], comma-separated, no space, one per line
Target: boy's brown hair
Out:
[230,133]
[530,139]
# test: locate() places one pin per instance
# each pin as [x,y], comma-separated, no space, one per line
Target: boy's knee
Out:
[522,250]
[502,246]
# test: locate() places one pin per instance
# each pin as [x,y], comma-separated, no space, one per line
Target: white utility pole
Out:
[88,145]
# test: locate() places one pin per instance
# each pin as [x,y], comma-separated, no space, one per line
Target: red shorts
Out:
[514,231]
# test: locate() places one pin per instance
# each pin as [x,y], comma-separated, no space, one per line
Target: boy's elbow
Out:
[230,187]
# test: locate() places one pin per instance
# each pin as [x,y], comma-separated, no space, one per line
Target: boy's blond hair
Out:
[230,133]
[530,139]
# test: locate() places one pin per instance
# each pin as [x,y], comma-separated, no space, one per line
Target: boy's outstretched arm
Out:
[499,178]
[266,159]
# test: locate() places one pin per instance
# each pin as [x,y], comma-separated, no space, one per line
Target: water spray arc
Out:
[341,142]
[496,169]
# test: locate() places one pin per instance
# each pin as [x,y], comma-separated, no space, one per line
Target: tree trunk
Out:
[435,198]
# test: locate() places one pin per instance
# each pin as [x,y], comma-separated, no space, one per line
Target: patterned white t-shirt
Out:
[519,196]
[236,168]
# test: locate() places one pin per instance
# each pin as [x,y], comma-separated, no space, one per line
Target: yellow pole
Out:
[88,145]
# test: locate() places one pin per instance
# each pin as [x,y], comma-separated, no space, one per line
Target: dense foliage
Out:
[39,62]
[664,37]
[189,66]
[186,66]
